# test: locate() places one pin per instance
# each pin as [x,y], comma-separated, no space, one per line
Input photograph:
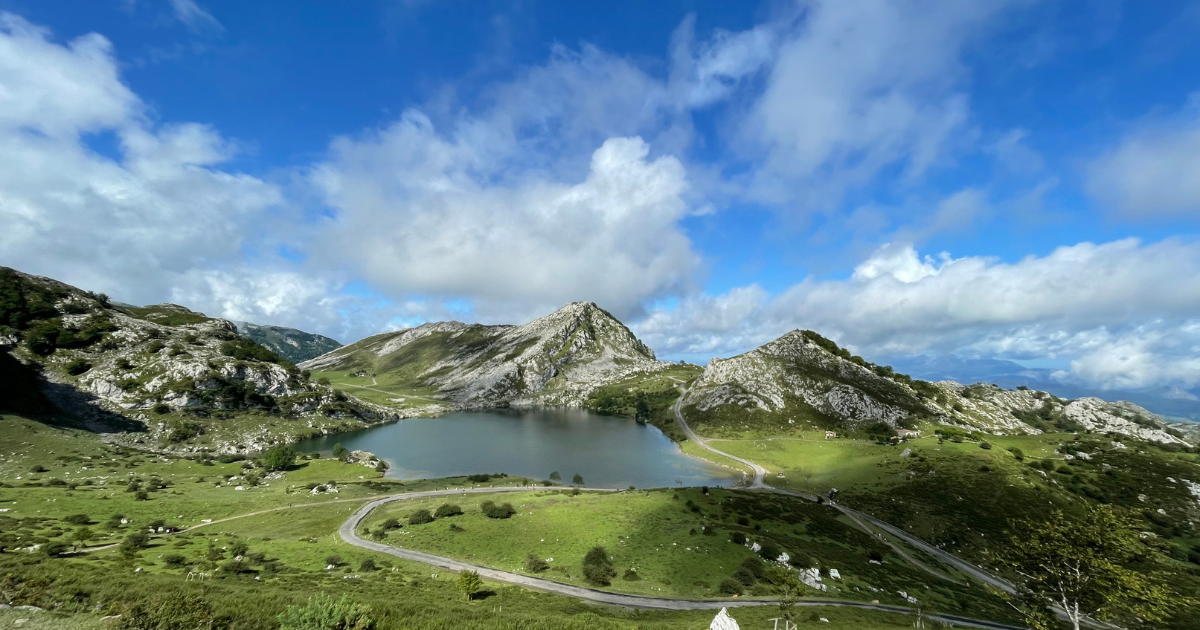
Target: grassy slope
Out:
[659,389]
[652,532]
[300,540]
[388,389]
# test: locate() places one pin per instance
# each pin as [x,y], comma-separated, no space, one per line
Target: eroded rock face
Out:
[803,375]
[557,359]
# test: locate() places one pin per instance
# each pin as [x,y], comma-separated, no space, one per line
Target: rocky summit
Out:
[803,378]
[556,359]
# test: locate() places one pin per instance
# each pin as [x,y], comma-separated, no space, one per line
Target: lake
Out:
[607,451]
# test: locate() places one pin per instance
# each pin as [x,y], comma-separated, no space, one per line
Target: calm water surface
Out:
[607,451]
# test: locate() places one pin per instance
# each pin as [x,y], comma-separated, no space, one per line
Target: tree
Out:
[447,509]
[81,536]
[279,458]
[597,568]
[321,612]
[577,479]
[420,517]
[1079,566]
[641,408]
[469,583]
[787,588]
[554,476]
[340,452]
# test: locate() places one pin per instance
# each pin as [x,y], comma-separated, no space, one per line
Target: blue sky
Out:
[1017,179]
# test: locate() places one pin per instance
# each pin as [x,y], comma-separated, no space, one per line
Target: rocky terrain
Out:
[557,359]
[289,343]
[175,373]
[803,378]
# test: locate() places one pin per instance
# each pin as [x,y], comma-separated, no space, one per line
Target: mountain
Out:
[1172,402]
[185,380]
[803,380]
[289,343]
[556,359]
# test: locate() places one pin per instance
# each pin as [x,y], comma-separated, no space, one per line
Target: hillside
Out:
[289,343]
[184,380]
[803,380]
[556,359]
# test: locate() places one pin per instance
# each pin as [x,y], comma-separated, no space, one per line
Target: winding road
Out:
[349,533]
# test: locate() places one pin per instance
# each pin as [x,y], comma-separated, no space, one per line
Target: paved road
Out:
[950,559]
[349,532]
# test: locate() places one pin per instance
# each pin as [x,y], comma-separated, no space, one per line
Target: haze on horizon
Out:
[1008,180]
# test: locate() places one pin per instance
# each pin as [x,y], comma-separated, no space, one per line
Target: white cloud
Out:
[1107,306]
[194,16]
[126,226]
[1153,170]
[418,215]
[861,86]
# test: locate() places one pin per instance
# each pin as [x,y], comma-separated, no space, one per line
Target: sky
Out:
[1012,179]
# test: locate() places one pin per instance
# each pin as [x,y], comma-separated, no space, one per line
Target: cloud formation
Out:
[1105,304]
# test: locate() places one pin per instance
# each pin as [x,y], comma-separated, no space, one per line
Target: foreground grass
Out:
[671,543]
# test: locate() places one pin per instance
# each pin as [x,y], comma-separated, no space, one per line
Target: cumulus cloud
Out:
[416,219]
[1103,305]
[1152,170]
[129,225]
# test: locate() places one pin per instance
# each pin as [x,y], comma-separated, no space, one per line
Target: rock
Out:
[834,575]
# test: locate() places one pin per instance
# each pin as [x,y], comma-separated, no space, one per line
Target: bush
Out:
[340,452]
[745,576]
[987,446]
[244,349]
[278,458]
[1017,453]
[491,510]
[597,568]
[334,560]
[420,517]
[321,612]
[142,495]
[447,509]
[769,552]
[77,367]
[630,575]
[174,560]
[534,564]
[38,468]
[77,519]
[367,565]
[730,586]
[54,548]
[390,524]
[756,567]
[161,409]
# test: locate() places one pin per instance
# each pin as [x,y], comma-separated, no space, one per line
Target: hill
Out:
[183,380]
[289,343]
[556,359]
[803,380]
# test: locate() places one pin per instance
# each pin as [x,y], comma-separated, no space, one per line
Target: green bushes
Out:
[46,336]
[78,366]
[77,519]
[535,564]
[730,586]
[491,510]
[447,509]
[597,568]
[278,458]
[390,524]
[244,349]
[420,517]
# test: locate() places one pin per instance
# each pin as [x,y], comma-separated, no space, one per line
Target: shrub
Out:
[340,452]
[278,458]
[174,560]
[987,446]
[244,349]
[367,565]
[390,524]
[737,538]
[38,468]
[756,567]
[321,612]
[597,568]
[77,519]
[554,476]
[54,548]
[447,509]
[77,367]
[142,495]
[420,517]
[730,586]
[577,479]
[745,576]
[630,575]
[769,551]
[334,560]
[491,510]
[164,408]
[1017,453]
[534,564]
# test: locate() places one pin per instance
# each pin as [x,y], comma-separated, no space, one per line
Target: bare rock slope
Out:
[803,378]
[556,359]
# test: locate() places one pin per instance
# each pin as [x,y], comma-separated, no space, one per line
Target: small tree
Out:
[469,583]
[597,568]
[279,458]
[420,517]
[340,452]
[1079,566]
[577,479]
[554,476]
[82,536]
[641,408]
[787,588]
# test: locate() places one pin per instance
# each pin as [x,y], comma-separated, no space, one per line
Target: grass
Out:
[659,389]
[660,535]
[387,389]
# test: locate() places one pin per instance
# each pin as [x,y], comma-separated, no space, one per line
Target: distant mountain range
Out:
[294,345]
[1172,402]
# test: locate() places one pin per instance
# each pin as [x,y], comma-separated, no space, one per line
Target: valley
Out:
[147,463]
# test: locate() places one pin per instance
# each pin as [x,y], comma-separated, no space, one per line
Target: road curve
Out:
[349,533]
[759,471]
